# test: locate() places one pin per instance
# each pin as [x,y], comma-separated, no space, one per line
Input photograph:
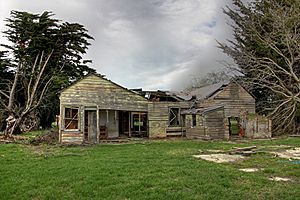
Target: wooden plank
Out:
[72,135]
[174,133]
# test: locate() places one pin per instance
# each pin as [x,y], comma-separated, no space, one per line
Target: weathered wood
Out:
[244,148]
[94,90]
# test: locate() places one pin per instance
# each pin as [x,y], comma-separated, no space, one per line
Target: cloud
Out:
[154,44]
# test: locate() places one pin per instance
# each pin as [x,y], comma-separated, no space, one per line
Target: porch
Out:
[91,125]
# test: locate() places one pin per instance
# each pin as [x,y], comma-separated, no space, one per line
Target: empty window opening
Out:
[174,118]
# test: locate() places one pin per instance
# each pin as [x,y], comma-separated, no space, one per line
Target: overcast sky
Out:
[153,44]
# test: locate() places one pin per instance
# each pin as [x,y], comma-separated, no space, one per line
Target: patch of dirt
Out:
[279,179]
[289,154]
[220,158]
[250,170]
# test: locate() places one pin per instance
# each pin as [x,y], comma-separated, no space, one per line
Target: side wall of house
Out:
[214,122]
[234,98]
[158,119]
[198,131]
[209,125]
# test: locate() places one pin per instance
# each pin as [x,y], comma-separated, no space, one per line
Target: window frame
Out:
[178,116]
[72,118]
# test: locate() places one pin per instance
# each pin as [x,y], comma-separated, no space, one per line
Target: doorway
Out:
[90,126]
[124,123]
[234,128]
[139,124]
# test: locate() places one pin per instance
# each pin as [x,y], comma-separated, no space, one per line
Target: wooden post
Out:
[107,119]
[61,120]
[98,125]
[129,121]
[83,122]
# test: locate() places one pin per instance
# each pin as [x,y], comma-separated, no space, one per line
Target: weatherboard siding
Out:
[209,125]
[158,118]
[96,91]
[234,98]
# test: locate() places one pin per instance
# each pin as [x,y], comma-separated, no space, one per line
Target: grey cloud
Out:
[154,44]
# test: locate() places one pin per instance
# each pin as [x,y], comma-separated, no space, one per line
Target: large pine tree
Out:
[44,56]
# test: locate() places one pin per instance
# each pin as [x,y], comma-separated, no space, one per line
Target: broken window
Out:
[194,120]
[174,118]
[71,118]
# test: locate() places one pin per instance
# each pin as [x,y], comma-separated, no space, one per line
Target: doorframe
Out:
[86,109]
[233,118]
[132,122]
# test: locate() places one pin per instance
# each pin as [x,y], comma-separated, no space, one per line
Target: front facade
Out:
[95,109]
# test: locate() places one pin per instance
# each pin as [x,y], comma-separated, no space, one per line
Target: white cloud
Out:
[155,44]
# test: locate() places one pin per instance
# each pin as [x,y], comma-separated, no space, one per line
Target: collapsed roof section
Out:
[158,95]
[202,93]
[206,92]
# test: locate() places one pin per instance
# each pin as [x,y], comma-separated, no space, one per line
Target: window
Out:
[194,120]
[174,118]
[71,118]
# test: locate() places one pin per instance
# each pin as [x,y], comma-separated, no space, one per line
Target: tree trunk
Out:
[12,126]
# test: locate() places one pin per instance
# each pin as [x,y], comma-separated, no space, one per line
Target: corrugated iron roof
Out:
[208,91]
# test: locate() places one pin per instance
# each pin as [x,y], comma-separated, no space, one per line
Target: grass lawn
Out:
[163,169]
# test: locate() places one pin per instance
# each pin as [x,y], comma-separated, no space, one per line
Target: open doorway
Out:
[139,124]
[234,128]
[90,126]
[124,123]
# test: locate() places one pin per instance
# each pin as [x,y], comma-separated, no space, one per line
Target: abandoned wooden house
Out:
[220,109]
[95,108]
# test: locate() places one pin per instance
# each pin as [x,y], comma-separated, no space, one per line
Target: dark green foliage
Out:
[266,50]
[33,38]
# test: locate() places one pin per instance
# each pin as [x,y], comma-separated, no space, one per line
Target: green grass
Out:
[33,133]
[151,170]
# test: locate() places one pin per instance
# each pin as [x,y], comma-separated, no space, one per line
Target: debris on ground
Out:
[250,170]
[279,179]
[12,139]
[244,148]
[245,151]
[297,135]
[215,151]
[237,153]
[4,140]
[220,158]
[49,137]
[291,154]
